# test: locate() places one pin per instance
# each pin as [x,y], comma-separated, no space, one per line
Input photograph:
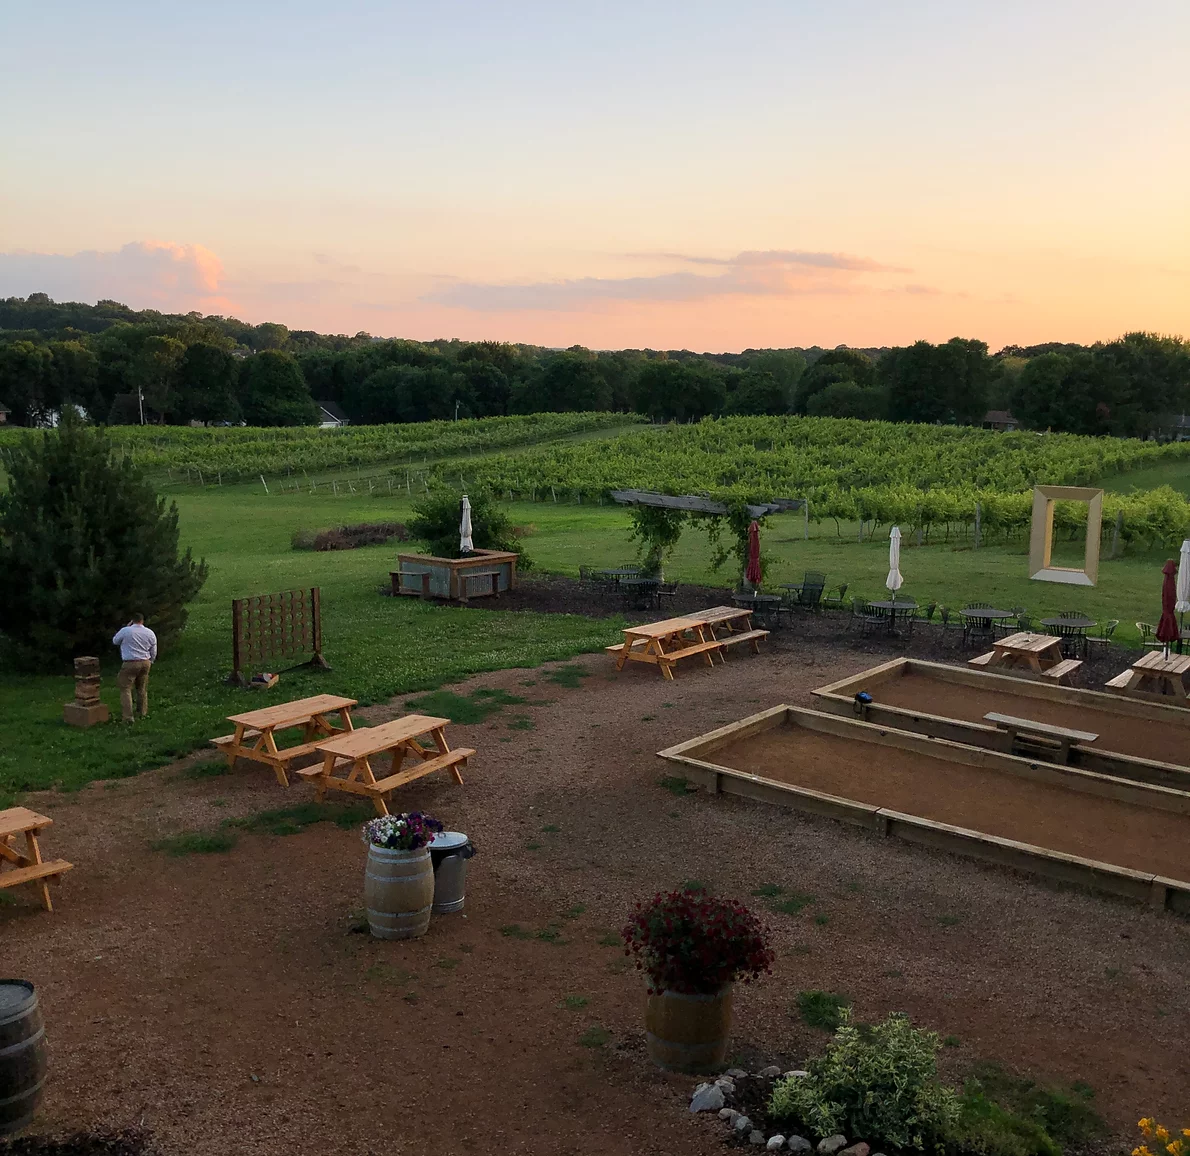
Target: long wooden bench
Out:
[1064,736]
[687,651]
[754,637]
[982,659]
[465,576]
[1063,672]
[1121,681]
[283,756]
[26,865]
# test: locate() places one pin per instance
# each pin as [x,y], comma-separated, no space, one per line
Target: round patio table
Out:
[620,572]
[1074,628]
[766,606]
[894,608]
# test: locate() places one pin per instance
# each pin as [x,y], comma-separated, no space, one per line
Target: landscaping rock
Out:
[769,1073]
[727,1084]
[776,1143]
[797,1072]
[735,1073]
[700,1087]
[831,1145]
[728,1114]
[709,1098]
[860,1149]
[799,1144]
[755,1137]
[742,1124]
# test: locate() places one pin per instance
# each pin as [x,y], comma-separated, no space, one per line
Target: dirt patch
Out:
[980,799]
[128,1143]
[224,1000]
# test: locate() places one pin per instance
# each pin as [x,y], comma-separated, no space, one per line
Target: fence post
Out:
[806,521]
[978,512]
[264,483]
[1115,534]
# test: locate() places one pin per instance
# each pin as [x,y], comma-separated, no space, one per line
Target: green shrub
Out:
[879,1082]
[985,1128]
[1065,1115]
[436,517]
[822,1009]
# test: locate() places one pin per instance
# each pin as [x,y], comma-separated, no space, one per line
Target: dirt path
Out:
[221,998]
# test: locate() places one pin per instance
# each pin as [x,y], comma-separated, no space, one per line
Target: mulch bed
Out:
[126,1143]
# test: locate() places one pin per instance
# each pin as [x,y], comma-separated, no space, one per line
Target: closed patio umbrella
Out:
[1167,628]
[465,544]
[752,574]
[894,562]
[1183,586]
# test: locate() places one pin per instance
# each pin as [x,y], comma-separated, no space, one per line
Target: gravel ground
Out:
[222,1002]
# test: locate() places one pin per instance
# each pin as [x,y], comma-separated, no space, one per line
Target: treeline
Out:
[119,364]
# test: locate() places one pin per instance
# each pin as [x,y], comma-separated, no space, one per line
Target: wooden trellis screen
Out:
[268,626]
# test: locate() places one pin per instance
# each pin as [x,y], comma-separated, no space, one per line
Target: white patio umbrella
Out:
[1183,603]
[894,561]
[465,544]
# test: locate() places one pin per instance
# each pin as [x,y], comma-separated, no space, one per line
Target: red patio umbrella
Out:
[1167,628]
[752,574]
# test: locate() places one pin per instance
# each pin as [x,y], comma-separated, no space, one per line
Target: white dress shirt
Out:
[137,643]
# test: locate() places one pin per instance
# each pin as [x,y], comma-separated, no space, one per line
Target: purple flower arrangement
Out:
[406,832]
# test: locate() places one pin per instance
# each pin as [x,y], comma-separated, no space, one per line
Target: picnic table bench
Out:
[255,731]
[1155,676]
[27,866]
[1035,654]
[399,738]
[653,642]
[1064,736]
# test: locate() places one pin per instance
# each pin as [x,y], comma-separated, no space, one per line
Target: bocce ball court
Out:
[1060,821]
[1148,741]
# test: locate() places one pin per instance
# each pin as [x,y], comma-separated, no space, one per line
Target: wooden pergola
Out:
[696,504]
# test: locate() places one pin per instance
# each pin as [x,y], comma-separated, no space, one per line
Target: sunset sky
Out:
[703,175]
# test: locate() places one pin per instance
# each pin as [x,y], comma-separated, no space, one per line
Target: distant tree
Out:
[24,380]
[153,372]
[755,391]
[937,383]
[567,382]
[74,376]
[269,335]
[847,399]
[206,384]
[834,366]
[84,542]
[437,515]
[273,392]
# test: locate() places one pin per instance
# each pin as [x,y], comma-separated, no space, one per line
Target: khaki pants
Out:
[134,674]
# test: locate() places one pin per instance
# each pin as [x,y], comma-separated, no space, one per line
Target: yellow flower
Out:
[1162,1133]
[1174,1149]
[1186,1132]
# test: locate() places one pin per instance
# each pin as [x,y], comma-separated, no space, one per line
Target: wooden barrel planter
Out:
[22,1055]
[688,1033]
[398,892]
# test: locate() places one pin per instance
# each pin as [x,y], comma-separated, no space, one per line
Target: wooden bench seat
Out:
[753,637]
[1121,681]
[982,659]
[227,740]
[465,576]
[618,648]
[416,770]
[48,870]
[1063,671]
[1063,736]
[686,652]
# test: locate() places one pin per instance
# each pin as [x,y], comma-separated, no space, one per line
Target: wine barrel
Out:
[688,1033]
[398,892]
[22,1055]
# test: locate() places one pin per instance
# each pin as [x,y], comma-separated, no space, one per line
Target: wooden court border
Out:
[1159,892]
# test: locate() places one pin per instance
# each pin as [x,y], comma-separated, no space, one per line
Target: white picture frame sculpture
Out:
[1041,538]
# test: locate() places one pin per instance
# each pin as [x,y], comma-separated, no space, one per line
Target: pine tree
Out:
[85,542]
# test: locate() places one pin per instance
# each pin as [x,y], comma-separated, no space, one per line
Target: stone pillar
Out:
[86,710]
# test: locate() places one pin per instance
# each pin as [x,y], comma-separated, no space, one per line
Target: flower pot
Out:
[688,1033]
[398,892]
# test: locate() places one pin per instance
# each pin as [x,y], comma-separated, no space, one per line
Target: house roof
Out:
[4,408]
[999,417]
[332,410]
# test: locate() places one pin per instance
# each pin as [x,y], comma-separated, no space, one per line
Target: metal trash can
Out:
[449,852]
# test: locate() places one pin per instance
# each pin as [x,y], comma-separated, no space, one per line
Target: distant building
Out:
[1180,431]
[330,416]
[4,412]
[1000,420]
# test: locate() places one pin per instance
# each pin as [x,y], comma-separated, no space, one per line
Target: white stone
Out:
[728,1114]
[776,1143]
[726,1084]
[799,1144]
[701,1087]
[831,1145]
[756,1137]
[736,1073]
[707,1099]
[769,1072]
[742,1124]
[798,1073]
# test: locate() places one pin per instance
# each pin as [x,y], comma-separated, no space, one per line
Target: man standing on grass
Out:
[138,649]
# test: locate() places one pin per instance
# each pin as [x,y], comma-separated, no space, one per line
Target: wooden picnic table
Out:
[353,753]
[654,642]
[1155,676]
[27,866]
[1024,650]
[255,731]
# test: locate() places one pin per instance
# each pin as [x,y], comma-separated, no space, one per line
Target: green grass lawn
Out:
[380,646]
[1173,473]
